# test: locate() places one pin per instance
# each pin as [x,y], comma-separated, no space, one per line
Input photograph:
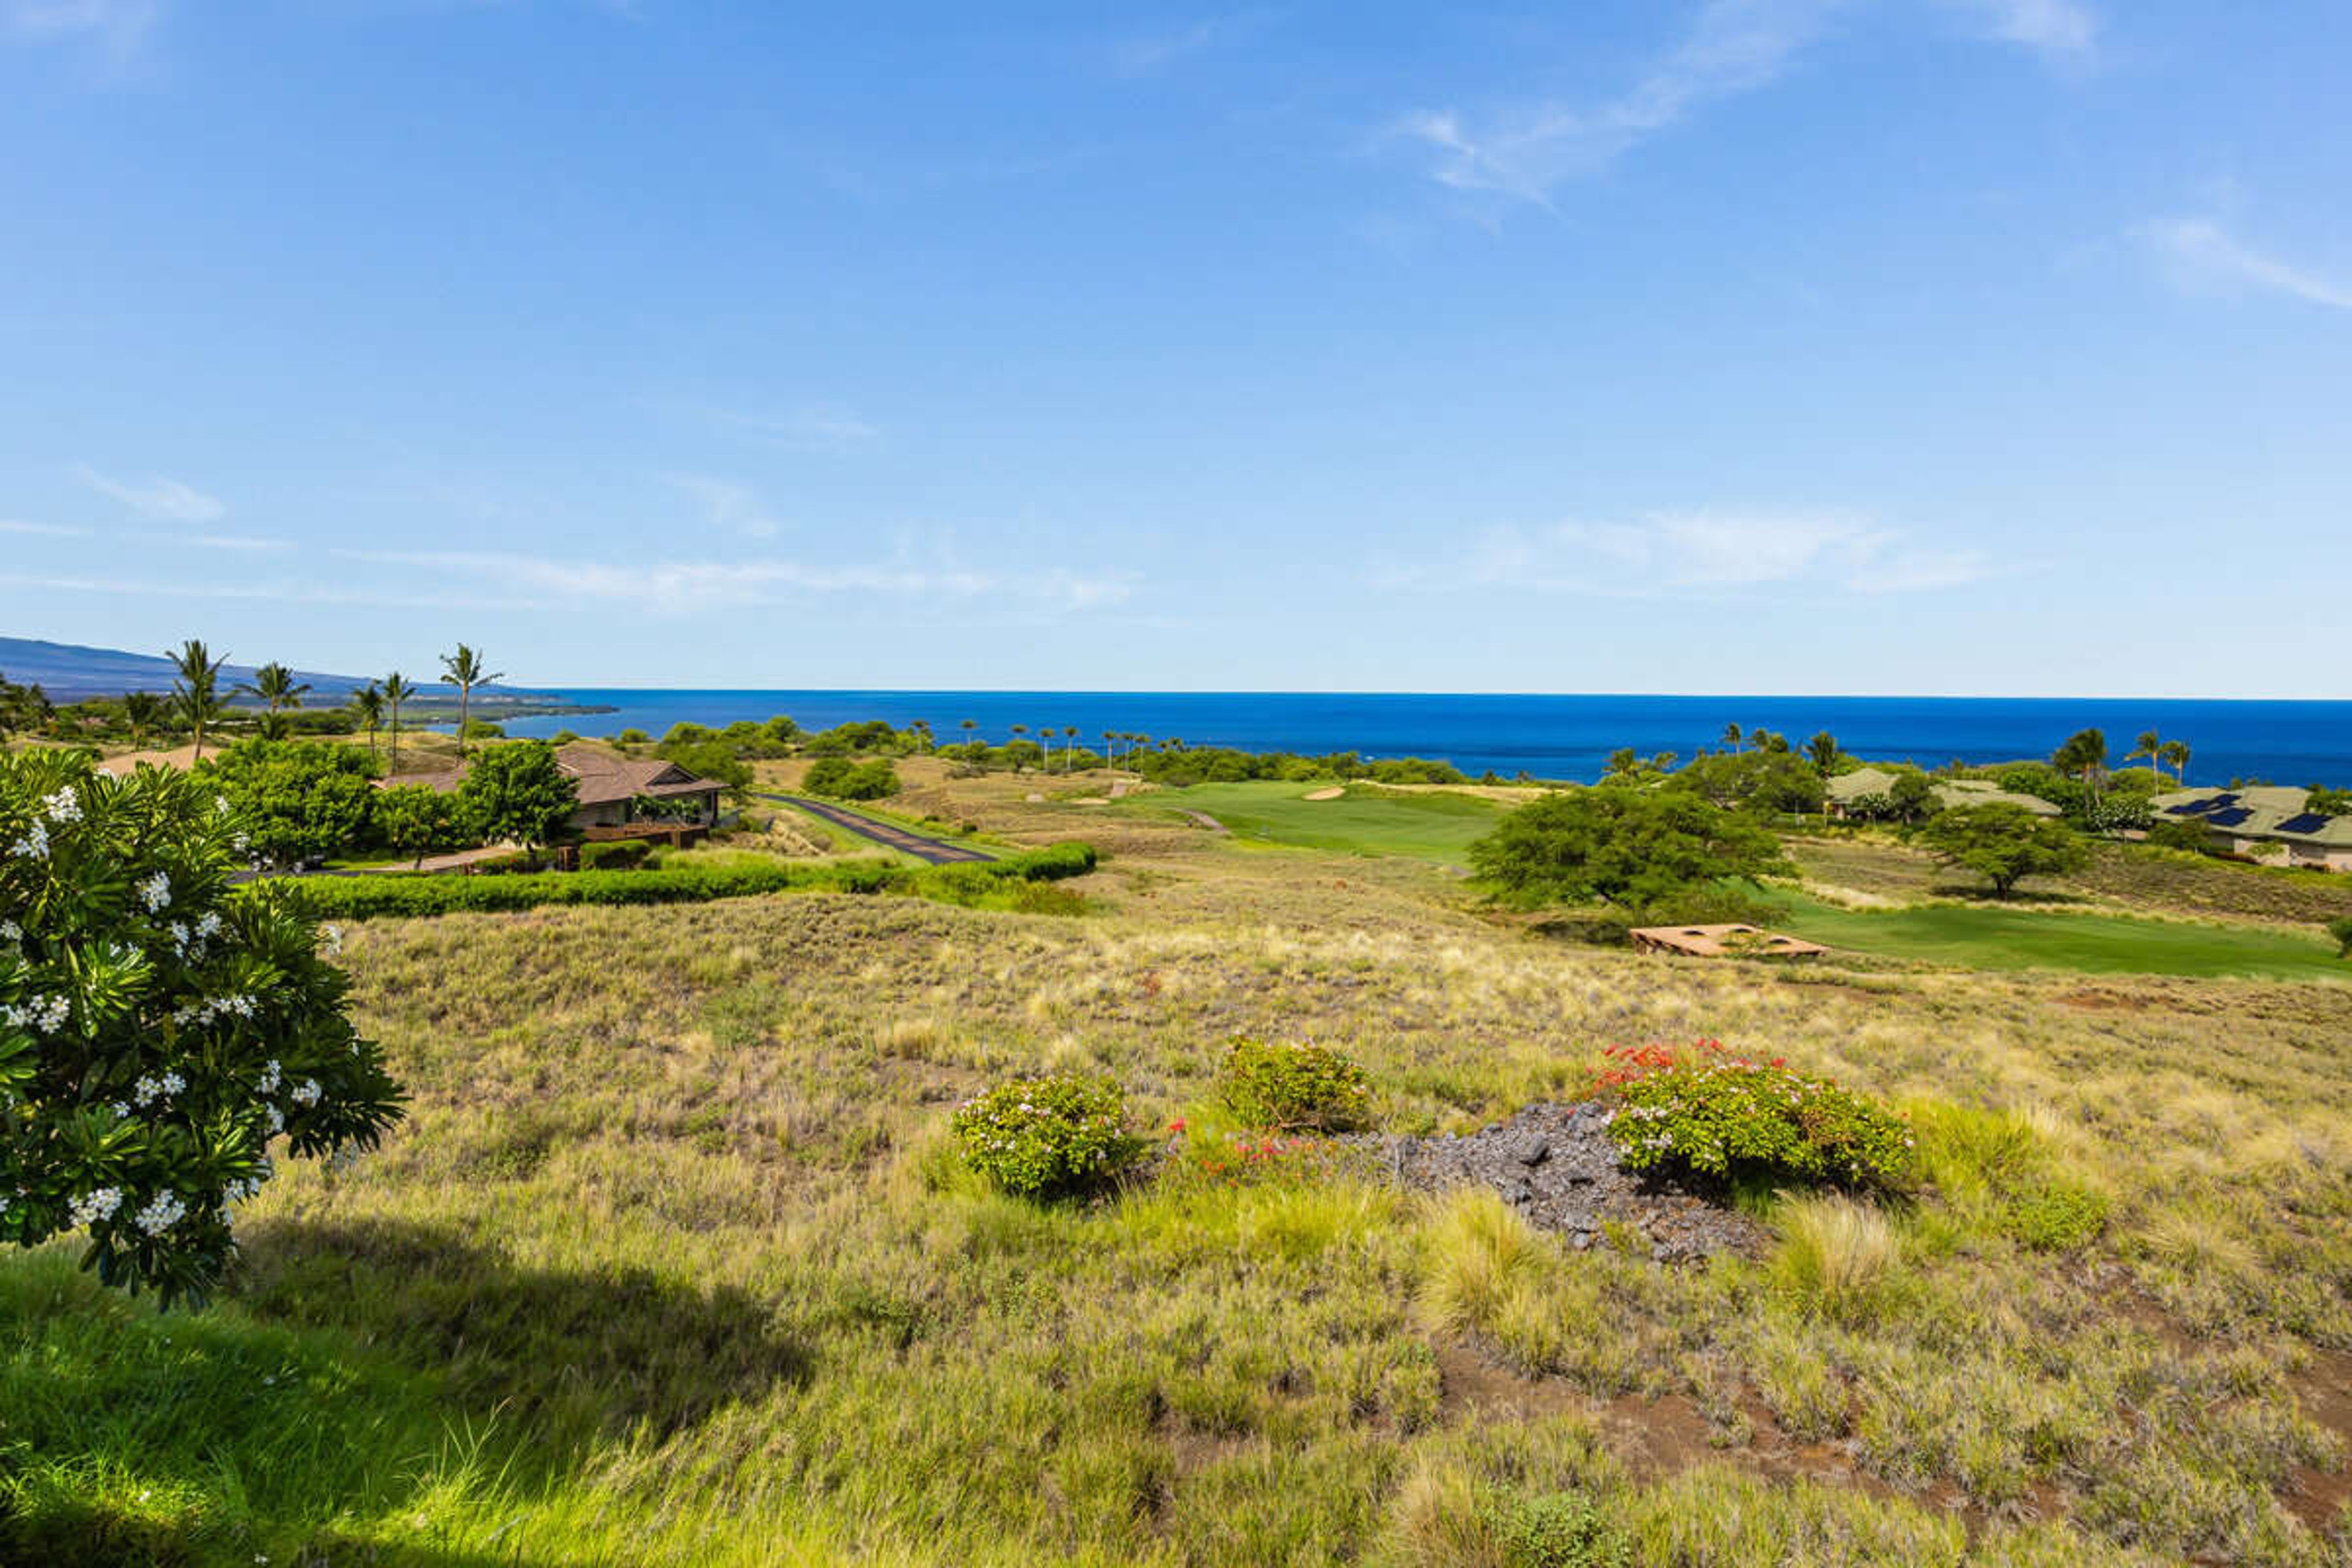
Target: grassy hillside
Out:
[670,1264]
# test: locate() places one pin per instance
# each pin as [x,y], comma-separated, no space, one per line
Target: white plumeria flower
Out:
[309,1093]
[92,1207]
[63,806]
[162,1214]
[35,845]
[155,892]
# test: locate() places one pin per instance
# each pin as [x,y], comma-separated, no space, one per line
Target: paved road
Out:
[935,852]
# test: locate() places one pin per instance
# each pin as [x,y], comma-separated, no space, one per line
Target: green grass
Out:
[1981,936]
[1367,820]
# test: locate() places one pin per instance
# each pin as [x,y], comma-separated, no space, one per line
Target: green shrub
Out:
[364,898]
[1559,1530]
[1295,1087]
[1708,1112]
[617,855]
[2056,1217]
[1047,1136]
[2341,929]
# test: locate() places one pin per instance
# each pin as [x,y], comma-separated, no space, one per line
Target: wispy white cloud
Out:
[2201,254]
[119,26]
[685,586]
[238,542]
[1700,553]
[1733,46]
[158,499]
[2060,29]
[51,530]
[727,505]
[1143,53]
[290,591]
[814,428]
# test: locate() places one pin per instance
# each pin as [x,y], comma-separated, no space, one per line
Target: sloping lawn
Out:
[1981,937]
[1367,820]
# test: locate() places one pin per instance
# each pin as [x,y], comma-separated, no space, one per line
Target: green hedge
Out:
[361,897]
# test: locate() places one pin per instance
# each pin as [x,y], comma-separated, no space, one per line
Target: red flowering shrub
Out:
[1707,1110]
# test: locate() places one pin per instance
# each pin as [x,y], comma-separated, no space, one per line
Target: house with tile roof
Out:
[1844,790]
[620,797]
[2263,822]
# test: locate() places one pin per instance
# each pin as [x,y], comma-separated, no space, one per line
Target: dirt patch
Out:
[2325,1391]
[1555,1165]
[2093,1000]
[1334,793]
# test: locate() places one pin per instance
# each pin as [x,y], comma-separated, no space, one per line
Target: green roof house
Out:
[1845,789]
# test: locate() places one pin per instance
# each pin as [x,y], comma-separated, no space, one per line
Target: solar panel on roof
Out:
[2231,817]
[2189,808]
[2309,822]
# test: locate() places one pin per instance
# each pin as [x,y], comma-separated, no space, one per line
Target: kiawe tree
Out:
[160,1029]
[2003,844]
[465,669]
[1633,848]
[195,689]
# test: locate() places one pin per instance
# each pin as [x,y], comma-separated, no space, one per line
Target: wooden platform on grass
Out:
[1724,941]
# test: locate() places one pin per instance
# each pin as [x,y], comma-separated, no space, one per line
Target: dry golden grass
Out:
[675,1221]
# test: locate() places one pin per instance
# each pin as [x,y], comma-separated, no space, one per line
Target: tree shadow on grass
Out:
[570,1354]
[354,1374]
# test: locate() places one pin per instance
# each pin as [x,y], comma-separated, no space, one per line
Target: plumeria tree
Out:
[161,1031]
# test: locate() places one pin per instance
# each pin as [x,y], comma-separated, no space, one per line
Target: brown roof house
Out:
[620,797]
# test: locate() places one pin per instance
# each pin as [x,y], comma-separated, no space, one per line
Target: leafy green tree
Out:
[415,820]
[518,792]
[2003,844]
[299,799]
[275,688]
[2328,802]
[396,692]
[1912,796]
[367,709]
[465,669]
[158,1026]
[143,712]
[1762,780]
[1634,848]
[195,689]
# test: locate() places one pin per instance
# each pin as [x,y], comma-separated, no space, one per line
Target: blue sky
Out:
[1947,346]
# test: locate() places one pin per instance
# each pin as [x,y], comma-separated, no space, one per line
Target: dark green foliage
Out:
[415,820]
[1633,848]
[620,855]
[2084,756]
[23,707]
[1295,1087]
[2341,929]
[1047,1136]
[157,1027]
[2173,833]
[2328,802]
[361,897]
[518,792]
[841,779]
[297,800]
[2003,844]
[1559,1530]
[1768,780]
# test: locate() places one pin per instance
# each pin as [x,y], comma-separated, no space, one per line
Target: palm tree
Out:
[196,691]
[1731,735]
[396,692]
[367,706]
[1824,749]
[1069,748]
[1110,746]
[464,669]
[142,711]
[278,690]
[2084,755]
[2177,753]
[2149,745]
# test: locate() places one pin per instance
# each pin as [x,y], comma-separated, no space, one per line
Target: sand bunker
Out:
[1334,793]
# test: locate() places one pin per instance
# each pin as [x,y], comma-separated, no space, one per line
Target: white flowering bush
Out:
[1047,1136]
[160,1029]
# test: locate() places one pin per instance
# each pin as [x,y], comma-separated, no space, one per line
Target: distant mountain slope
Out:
[69,672]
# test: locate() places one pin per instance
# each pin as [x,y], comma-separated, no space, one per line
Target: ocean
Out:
[1554,737]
